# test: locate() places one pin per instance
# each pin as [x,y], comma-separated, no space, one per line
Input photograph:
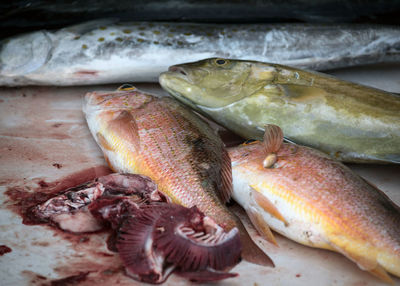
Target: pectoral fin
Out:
[103,142]
[266,205]
[124,127]
[262,227]
[303,93]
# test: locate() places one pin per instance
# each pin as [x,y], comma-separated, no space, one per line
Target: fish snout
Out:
[26,54]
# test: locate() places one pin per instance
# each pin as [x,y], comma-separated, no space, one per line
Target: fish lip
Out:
[177,69]
[164,84]
[178,72]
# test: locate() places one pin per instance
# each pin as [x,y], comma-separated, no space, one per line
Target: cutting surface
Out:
[45,144]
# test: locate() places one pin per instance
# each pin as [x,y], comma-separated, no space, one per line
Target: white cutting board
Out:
[41,127]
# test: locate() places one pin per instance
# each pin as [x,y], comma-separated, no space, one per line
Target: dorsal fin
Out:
[273,138]
[125,127]
[226,177]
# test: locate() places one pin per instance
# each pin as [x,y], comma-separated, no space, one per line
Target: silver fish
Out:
[105,52]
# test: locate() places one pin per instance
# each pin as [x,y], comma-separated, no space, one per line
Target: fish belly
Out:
[300,226]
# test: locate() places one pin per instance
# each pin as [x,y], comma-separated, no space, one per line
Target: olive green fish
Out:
[350,122]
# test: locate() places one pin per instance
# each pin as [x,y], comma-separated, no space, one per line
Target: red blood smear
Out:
[86,73]
[298,275]
[43,184]
[4,249]
[24,199]
[58,166]
[70,280]
[105,269]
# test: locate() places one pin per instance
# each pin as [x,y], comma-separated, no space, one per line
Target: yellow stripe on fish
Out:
[323,203]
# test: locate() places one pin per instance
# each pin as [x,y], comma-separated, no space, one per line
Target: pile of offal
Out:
[153,236]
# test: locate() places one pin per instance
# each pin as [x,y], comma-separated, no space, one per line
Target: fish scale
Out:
[324,203]
[164,151]
[159,138]
[350,122]
[155,124]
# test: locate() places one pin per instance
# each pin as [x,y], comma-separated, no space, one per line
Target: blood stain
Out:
[298,275]
[105,268]
[43,184]
[70,280]
[4,249]
[86,73]
[24,199]
[57,165]
[40,243]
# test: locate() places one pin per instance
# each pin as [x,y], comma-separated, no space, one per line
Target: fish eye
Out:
[221,62]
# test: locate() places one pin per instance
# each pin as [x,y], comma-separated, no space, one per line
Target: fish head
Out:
[25,54]
[215,82]
[115,101]
[116,111]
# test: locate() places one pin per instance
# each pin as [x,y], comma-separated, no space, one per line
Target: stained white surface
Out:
[42,126]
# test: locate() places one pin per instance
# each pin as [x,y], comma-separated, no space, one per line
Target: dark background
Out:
[23,16]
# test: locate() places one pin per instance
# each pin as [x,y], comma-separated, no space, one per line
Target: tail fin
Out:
[250,251]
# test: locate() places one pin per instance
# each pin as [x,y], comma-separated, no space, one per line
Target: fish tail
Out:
[390,261]
[381,273]
[367,258]
[250,251]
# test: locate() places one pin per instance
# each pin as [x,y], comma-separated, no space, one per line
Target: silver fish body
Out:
[100,52]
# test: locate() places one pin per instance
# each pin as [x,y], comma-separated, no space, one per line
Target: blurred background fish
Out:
[103,51]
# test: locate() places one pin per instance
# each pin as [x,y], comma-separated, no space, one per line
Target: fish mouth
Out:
[178,69]
[180,73]
[164,81]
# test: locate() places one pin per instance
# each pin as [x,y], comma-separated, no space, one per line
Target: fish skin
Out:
[323,203]
[350,122]
[172,146]
[104,51]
